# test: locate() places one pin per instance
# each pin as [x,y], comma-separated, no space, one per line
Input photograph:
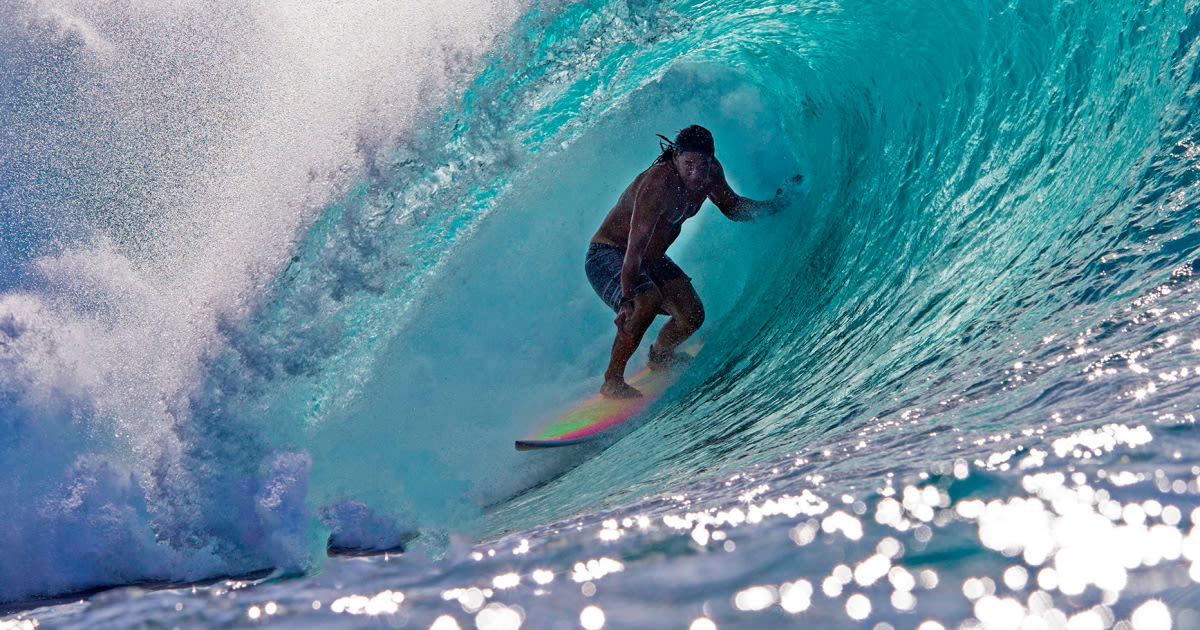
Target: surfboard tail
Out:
[597,414]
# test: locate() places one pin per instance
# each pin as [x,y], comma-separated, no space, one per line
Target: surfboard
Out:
[597,414]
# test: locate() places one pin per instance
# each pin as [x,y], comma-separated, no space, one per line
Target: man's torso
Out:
[678,206]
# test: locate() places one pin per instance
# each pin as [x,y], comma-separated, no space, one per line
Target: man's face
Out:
[693,169]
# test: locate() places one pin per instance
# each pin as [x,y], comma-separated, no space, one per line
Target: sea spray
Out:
[160,162]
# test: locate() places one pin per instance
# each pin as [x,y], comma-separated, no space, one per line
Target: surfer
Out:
[627,262]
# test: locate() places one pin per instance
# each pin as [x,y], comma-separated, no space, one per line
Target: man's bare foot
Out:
[619,389]
[667,361]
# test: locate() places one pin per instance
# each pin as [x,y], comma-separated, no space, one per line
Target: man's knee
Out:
[691,319]
[695,318]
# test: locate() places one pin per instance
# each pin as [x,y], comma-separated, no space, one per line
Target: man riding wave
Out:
[627,262]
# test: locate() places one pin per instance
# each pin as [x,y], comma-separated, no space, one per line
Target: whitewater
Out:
[281,285]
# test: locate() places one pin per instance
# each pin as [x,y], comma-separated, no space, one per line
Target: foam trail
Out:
[159,161]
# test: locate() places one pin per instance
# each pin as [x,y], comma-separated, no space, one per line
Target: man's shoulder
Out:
[658,176]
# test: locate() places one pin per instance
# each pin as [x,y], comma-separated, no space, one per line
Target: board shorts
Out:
[603,268]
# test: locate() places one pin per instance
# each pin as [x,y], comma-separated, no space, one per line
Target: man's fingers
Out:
[794,181]
[624,318]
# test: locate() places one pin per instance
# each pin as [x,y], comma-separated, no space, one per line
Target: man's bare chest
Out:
[680,207]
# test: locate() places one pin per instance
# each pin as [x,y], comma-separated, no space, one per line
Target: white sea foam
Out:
[193,143]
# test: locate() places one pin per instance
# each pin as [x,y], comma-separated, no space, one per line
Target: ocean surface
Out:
[281,284]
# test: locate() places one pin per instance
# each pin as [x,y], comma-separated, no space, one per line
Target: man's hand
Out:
[792,192]
[795,182]
[624,317]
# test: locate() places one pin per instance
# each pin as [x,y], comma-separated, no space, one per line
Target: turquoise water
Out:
[309,304]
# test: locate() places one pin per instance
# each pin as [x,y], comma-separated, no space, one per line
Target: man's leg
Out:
[645,309]
[682,303]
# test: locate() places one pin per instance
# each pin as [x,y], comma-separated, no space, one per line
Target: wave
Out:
[294,276]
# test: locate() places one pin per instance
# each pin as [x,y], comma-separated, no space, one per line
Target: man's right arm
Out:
[647,206]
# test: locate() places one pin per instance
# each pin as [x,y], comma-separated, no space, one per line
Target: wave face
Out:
[997,190]
[311,285]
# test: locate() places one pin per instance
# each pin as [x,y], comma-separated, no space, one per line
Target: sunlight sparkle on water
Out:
[996,612]
[796,596]
[1052,537]
[901,579]
[595,569]
[755,598]
[903,600]
[1152,615]
[1098,441]
[591,618]
[385,603]
[445,622]
[506,581]
[871,570]
[928,578]
[499,617]
[858,607]
[1016,577]
[471,599]
[804,533]
[839,521]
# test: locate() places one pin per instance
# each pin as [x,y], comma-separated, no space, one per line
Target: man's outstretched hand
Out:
[795,182]
[790,194]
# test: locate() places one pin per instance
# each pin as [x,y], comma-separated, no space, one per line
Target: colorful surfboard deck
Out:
[598,414]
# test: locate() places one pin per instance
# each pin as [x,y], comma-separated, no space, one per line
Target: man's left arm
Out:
[741,208]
